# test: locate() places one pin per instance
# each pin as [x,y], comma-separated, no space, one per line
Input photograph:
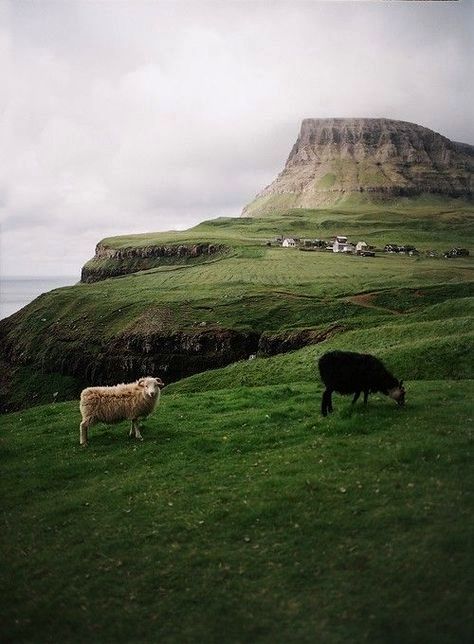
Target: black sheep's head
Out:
[398,394]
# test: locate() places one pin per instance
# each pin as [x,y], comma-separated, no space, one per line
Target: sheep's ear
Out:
[141,382]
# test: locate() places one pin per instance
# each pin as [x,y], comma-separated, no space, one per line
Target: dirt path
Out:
[365,299]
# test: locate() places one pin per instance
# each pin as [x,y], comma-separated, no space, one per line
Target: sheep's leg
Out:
[366,396]
[326,404]
[324,410]
[83,432]
[136,430]
[356,397]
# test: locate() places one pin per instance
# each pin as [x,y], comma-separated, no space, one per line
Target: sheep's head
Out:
[151,385]
[398,393]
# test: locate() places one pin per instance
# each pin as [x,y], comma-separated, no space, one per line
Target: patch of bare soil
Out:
[366,300]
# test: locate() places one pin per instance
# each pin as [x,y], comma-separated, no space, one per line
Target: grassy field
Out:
[429,222]
[257,289]
[244,516]
[270,274]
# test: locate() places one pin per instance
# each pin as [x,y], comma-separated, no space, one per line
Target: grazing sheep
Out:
[347,372]
[121,402]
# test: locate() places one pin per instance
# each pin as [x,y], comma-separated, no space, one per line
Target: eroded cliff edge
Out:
[113,262]
[56,362]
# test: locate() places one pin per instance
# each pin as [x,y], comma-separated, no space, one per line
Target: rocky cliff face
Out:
[334,159]
[85,358]
[112,262]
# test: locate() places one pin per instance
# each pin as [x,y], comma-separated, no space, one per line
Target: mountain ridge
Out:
[336,159]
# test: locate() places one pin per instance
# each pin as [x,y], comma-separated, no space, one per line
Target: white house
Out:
[341,245]
[289,242]
[361,246]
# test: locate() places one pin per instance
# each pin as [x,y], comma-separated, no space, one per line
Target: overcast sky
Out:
[131,116]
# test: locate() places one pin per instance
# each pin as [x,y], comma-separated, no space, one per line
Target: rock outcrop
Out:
[334,160]
[84,357]
[113,262]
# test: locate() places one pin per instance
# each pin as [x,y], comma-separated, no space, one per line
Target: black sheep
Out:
[347,372]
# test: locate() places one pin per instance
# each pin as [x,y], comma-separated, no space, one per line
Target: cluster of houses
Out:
[337,244]
[340,244]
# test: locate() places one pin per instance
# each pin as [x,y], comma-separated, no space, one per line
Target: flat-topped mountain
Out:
[339,160]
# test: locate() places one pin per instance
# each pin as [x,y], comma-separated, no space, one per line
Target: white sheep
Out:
[120,402]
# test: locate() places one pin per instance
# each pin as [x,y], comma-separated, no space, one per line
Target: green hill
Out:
[188,314]
[244,516]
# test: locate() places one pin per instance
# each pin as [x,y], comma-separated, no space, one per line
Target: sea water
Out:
[17,292]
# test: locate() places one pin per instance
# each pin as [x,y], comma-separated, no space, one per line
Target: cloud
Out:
[139,116]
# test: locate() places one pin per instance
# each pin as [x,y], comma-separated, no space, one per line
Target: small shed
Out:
[361,246]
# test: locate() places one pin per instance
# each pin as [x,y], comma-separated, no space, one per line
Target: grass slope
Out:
[252,287]
[425,220]
[243,516]
[413,349]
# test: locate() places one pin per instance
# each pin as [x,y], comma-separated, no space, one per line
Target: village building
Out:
[289,242]
[342,245]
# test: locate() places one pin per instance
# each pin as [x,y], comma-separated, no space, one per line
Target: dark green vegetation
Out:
[244,516]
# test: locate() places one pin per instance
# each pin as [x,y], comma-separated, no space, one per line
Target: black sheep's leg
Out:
[324,409]
[326,403]
[356,397]
[330,401]
[366,396]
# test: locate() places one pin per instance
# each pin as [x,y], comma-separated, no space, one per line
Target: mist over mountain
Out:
[339,160]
